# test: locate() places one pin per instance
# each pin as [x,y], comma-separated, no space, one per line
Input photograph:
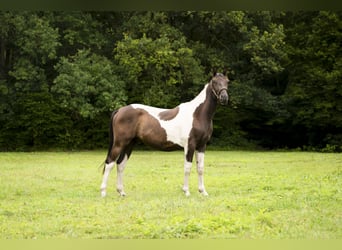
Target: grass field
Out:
[252,195]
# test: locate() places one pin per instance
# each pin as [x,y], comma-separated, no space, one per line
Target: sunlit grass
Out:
[257,195]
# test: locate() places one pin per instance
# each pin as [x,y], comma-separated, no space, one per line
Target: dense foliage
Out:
[62,73]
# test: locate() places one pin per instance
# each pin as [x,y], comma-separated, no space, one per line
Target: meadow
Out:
[252,195]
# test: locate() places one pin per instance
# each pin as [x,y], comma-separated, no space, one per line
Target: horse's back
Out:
[142,121]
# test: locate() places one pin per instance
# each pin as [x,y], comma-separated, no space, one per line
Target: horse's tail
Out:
[111,138]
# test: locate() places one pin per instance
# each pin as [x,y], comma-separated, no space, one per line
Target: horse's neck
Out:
[206,102]
[200,98]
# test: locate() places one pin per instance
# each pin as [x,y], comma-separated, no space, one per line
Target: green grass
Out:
[252,195]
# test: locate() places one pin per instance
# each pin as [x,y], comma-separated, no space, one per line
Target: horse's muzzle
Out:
[223,98]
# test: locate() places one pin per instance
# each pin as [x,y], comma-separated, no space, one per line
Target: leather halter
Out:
[216,94]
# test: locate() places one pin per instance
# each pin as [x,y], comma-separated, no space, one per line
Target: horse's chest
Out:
[178,129]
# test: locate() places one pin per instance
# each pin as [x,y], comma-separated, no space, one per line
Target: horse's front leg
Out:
[189,153]
[200,171]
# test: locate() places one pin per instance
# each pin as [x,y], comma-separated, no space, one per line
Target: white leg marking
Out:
[187,169]
[120,169]
[108,169]
[200,171]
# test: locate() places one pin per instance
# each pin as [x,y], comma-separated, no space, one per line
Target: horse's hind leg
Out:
[121,164]
[109,164]
[107,169]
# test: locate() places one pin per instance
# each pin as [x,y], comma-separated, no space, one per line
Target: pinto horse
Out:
[188,126]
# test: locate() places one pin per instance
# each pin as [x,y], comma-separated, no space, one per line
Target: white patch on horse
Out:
[187,170]
[177,129]
[108,169]
[200,172]
[119,176]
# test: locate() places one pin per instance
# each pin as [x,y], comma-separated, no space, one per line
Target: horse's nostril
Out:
[224,99]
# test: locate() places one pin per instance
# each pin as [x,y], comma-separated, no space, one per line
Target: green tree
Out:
[81,30]
[35,122]
[251,45]
[87,86]
[62,73]
[314,92]
[28,45]
[156,61]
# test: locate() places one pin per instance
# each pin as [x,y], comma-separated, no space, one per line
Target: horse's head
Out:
[219,87]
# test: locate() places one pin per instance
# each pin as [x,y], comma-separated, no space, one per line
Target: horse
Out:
[188,126]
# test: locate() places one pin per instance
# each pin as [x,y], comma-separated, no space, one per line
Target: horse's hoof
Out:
[122,194]
[203,192]
[103,194]
[186,192]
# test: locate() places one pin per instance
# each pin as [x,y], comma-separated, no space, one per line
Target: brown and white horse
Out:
[187,126]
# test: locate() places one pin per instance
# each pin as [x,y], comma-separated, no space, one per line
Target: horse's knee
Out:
[187,167]
[200,162]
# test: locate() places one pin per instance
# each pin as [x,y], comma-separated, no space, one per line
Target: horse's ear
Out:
[214,71]
[225,71]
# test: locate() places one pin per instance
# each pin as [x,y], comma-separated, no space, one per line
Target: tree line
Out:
[63,73]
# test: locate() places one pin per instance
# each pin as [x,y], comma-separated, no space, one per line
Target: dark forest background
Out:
[63,73]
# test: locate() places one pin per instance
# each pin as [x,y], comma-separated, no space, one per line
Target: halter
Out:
[216,94]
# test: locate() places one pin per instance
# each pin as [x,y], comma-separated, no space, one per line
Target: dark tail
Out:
[111,138]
